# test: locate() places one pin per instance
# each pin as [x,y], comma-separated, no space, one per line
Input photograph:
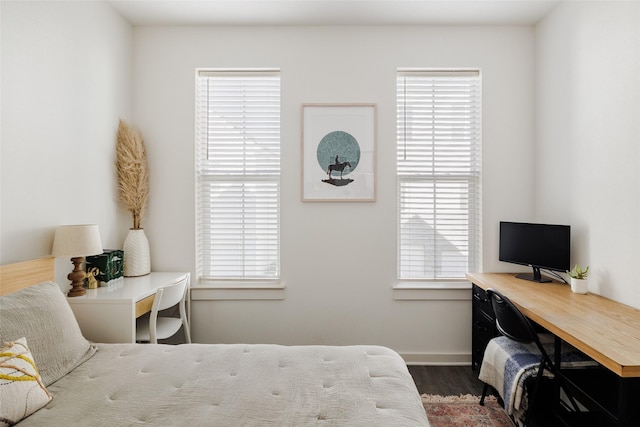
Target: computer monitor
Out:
[541,246]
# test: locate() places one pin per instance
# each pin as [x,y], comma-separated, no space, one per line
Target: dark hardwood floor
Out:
[446,380]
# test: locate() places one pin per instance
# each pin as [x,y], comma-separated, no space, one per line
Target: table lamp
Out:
[77,241]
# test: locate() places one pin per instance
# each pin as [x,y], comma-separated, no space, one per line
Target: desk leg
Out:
[623,402]
[557,348]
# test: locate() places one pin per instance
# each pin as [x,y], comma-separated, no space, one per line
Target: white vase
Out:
[137,261]
[579,286]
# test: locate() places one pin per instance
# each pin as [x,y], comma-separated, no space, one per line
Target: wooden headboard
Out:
[14,277]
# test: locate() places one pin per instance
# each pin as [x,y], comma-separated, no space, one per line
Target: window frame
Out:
[473,177]
[211,174]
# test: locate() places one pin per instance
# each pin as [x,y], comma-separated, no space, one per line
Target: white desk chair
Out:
[160,327]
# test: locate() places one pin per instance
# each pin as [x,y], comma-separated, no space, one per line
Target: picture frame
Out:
[339,152]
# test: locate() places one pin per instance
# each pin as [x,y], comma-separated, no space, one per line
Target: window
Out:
[238,174]
[438,167]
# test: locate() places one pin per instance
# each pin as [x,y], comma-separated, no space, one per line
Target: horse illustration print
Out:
[338,167]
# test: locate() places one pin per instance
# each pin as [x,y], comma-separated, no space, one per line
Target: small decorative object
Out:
[110,265]
[579,282]
[133,186]
[92,283]
[77,241]
[338,152]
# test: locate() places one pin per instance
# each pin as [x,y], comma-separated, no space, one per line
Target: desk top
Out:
[128,289]
[605,330]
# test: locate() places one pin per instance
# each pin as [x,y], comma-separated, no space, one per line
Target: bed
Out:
[91,384]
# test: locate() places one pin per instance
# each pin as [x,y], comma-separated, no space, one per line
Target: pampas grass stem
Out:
[132,172]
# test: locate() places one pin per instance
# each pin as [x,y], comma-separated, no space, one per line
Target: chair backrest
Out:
[509,319]
[167,297]
[170,295]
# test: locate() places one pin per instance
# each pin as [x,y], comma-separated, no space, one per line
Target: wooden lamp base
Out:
[77,277]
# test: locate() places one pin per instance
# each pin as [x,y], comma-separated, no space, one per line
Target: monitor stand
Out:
[534,277]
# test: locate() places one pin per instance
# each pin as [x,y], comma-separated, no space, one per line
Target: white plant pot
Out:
[137,261]
[579,286]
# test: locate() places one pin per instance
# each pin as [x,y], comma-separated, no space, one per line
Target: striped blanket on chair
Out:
[507,364]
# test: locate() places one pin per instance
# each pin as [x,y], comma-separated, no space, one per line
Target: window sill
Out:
[237,291]
[432,291]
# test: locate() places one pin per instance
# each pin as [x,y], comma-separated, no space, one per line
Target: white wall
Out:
[335,294]
[69,73]
[66,79]
[588,137]
[82,66]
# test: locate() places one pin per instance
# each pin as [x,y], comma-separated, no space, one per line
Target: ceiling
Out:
[333,12]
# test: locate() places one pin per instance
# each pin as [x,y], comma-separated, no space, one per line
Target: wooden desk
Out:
[108,314]
[605,330]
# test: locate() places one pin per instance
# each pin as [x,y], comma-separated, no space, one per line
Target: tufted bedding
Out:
[235,385]
[77,383]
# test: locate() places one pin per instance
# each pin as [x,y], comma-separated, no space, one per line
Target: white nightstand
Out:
[108,314]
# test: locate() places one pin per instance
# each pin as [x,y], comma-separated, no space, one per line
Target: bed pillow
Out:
[21,390]
[42,315]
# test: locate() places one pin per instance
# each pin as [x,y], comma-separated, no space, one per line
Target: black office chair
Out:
[511,323]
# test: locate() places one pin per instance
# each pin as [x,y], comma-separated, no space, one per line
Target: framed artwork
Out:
[339,152]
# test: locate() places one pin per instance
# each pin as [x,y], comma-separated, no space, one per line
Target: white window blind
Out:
[438,167]
[238,174]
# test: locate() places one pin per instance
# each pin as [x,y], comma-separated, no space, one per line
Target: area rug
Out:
[464,411]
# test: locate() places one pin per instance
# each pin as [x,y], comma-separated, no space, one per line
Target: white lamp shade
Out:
[77,241]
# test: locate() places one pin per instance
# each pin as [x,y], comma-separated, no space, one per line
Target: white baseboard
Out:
[435,359]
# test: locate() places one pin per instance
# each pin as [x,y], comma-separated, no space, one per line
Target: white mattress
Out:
[235,385]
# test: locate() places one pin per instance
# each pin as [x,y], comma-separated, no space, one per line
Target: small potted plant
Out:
[579,283]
